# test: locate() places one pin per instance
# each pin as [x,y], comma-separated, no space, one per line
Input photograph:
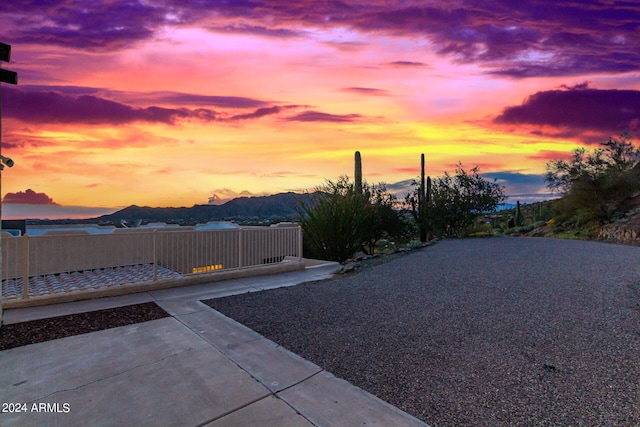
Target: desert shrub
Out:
[382,218]
[457,200]
[338,221]
[594,183]
[333,220]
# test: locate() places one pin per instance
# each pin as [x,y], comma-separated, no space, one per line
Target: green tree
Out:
[456,200]
[593,183]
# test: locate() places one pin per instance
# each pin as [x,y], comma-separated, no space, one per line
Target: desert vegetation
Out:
[344,217]
[452,203]
[595,184]
[599,189]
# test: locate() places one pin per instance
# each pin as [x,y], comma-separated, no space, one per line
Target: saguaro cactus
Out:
[518,215]
[421,195]
[423,198]
[357,186]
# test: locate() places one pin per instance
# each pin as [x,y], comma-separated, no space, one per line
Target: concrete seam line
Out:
[133,368]
[231,411]
[302,380]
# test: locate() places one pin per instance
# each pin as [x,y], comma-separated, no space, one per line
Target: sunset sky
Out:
[164,103]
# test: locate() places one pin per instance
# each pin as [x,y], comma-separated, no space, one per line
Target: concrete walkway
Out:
[196,368]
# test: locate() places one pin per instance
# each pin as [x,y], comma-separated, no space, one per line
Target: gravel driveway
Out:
[478,332]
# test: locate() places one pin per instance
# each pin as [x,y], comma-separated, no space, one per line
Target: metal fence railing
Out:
[73,262]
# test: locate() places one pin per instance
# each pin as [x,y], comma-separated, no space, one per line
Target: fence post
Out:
[240,247]
[155,256]
[300,246]
[25,266]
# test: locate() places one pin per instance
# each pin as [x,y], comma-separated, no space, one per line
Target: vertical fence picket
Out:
[240,237]
[155,255]
[25,266]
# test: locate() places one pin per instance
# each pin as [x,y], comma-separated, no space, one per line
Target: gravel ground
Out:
[35,331]
[482,332]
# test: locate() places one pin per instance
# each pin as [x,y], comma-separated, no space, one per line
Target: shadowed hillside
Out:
[278,207]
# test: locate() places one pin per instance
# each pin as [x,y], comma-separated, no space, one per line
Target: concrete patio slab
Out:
[215,328]
[268,412]
[326,400]
[275,367]
[177,380]
[75,361]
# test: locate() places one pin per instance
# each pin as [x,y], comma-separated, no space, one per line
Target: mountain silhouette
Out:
[275,207]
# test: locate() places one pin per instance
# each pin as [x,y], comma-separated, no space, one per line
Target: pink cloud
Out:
[29,197]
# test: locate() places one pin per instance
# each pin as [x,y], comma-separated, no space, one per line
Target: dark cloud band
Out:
[578,109]
[74,104]
[54,107]
[317,116]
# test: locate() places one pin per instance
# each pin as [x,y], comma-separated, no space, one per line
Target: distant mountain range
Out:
[275,207]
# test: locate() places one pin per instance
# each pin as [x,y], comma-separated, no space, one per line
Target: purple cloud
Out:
[54,107]
[96,26]
[65,90]
[74,104]
[158,97]
[366,91]
[177,98]
[522,39]
[407,64]
[257,31]
[28,197]
[316,116]
[510,38]
[260,112]
[578,109]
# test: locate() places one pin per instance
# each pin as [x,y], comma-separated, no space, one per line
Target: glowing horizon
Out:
[170,104]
